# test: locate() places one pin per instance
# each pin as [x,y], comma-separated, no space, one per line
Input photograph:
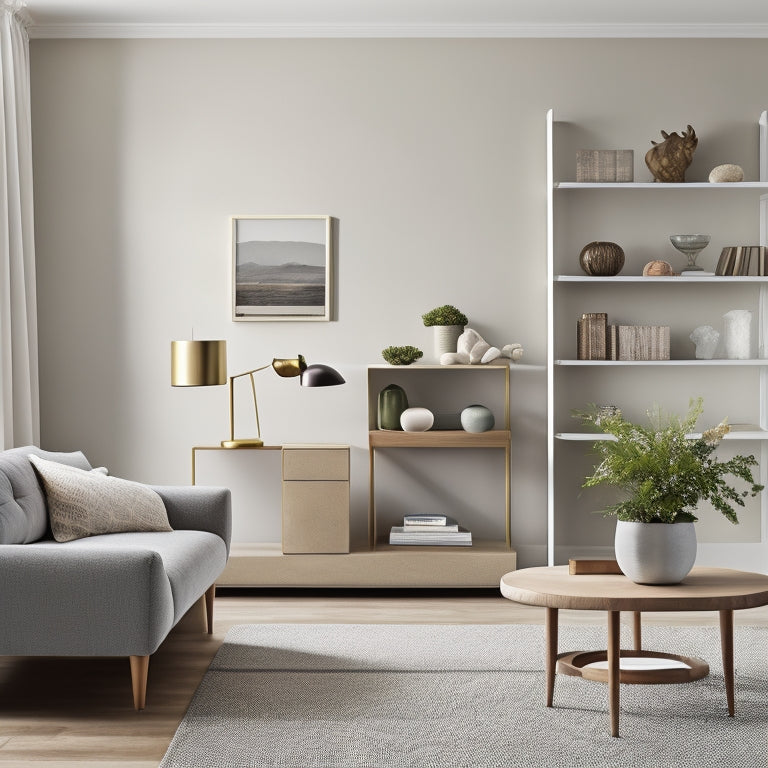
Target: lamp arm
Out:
[254,370]
[232,399]
[255,406]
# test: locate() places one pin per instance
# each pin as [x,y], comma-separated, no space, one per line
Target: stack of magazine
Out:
[430,530]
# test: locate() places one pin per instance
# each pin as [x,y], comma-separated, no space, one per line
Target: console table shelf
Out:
[448,438]
[447,389]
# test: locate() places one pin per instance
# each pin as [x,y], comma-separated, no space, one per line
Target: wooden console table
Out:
[704,589]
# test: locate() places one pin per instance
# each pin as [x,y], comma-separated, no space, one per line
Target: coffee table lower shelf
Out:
[593,665]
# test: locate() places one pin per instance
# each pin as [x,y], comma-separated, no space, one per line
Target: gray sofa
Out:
[109,595]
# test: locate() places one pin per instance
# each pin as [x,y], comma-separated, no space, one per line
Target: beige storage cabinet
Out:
[315,499]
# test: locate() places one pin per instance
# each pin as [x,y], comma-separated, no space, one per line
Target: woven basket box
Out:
[603,165]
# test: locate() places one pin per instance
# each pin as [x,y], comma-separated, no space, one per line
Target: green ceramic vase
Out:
[392,402]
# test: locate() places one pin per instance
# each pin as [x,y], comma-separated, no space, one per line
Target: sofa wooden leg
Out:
[210,594]
[139,674]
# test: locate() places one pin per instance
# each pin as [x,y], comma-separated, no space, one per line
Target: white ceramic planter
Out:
[446,338]
[655,553]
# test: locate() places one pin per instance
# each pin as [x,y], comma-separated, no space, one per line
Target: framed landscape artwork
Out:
[281,267]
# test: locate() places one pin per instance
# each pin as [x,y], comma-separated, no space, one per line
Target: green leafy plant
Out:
[445,315]
[401,355]
[663,471]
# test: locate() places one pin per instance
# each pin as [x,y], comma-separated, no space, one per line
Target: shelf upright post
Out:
[763,322]
[550,342]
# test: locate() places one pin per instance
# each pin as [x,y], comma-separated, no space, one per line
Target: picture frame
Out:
[281,268]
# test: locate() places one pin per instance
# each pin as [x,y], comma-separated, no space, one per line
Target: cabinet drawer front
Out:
[316,517]
[316,464]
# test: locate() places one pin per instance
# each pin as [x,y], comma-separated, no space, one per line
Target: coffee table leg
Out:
[637,630]
[726,645]
[551,652]
[614,670]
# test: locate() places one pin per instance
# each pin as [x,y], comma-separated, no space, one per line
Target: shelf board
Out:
[478,546]
[494,365]
[706,363]
[264,565]
[677,280]
[659,185]
[738,432]
[442,438]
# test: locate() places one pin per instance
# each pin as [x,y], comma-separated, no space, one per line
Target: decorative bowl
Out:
[691,246]
[690,243]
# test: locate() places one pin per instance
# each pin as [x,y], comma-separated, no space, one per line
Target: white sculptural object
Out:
[738,336]
[473,349]
[705,337]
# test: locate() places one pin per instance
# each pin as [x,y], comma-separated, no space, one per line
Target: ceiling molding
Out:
[98,30]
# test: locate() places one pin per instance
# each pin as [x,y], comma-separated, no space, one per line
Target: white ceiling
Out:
[466,18]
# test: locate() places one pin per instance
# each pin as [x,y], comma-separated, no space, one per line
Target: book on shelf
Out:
[591,332]
[612,343]
[427,519]
[449,527]
[743,260]
[403,535]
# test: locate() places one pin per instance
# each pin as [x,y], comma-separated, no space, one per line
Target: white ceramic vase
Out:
[416,419]
[446,338]
[655,553]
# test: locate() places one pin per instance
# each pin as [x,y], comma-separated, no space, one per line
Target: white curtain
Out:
[19,390]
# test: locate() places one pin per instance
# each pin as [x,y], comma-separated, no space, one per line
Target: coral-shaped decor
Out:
[669,160]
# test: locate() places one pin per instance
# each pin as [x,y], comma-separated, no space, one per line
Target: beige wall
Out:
[430,154]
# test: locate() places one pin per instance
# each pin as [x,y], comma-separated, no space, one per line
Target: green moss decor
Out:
[445,315]
[401,355]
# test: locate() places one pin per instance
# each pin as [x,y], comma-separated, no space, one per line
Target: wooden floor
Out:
[68,712]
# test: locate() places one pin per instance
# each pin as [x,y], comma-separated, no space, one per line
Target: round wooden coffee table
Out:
[704,589]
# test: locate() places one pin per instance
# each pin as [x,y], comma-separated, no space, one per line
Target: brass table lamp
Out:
[203,363]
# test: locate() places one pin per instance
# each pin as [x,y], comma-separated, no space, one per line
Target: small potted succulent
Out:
[448,323]
[664,470]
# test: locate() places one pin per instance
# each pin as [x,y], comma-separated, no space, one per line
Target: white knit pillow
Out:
[83,503]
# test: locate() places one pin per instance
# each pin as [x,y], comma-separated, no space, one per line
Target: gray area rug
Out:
[470,696]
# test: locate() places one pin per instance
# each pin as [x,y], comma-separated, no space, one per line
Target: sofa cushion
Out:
[83,503]
[192,560]
[23,516]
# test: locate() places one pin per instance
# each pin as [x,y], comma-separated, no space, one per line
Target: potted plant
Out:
[448,323]
[665,471]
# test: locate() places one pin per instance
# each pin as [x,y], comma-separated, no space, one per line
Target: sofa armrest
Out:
[62,600]
[198,508]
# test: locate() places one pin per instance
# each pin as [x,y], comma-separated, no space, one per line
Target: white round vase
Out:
[655,553]
[416,419]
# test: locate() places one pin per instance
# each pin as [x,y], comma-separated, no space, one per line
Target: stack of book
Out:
[430,530]
[597,340]
[743,260]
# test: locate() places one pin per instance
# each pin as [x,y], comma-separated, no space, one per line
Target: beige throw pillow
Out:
[83,503]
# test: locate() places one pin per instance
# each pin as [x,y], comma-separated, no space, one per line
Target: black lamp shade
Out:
[320,375]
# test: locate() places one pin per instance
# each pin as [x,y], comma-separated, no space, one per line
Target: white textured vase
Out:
[655,553]
[446,338]
[738,337]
